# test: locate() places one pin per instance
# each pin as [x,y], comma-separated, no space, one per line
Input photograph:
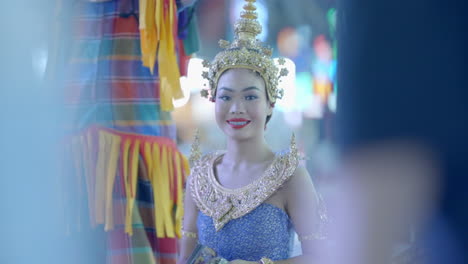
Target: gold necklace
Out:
[223,204]
[218,185]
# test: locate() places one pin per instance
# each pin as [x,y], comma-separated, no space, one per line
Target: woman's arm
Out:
[303,207]
[189,226]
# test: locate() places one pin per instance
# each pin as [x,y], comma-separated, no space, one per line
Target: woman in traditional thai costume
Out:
[246,203]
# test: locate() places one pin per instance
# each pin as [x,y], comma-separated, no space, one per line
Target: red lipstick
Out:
[238,123]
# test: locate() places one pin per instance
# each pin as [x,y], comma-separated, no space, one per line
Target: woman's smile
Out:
[238,123]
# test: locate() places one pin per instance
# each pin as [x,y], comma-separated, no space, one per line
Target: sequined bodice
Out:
[264,232]
[237,223]
[224,205]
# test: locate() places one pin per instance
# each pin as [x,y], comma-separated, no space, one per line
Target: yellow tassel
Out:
[149,159]
[157,37]
[186,166]
[179,204]
[174,73]
[158,17]
[99,191]
[90,179]
[157,194]
[134,158]
[148,34]
[165,91]
[170,161]
[128,213]
[111,173]
[134,174]
[168,222]
[171,23]
[167,62]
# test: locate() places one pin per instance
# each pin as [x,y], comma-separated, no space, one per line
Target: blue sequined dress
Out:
[240,224]
[266,231]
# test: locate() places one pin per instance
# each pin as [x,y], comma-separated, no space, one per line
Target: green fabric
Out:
[192,41]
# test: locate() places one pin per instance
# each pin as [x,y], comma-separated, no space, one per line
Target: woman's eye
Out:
[250,97]
[224,97]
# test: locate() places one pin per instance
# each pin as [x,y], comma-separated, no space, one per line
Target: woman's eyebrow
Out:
[243,90]
[227,89]
[250,88]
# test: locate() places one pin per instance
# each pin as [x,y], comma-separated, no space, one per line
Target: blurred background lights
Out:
[194,75]
[332,102]
[287,83]
[288,42]
[314,110]
[185,85]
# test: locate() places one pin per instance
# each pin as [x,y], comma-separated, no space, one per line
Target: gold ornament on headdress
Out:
[246,51]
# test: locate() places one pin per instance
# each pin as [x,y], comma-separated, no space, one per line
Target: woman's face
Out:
[241,104]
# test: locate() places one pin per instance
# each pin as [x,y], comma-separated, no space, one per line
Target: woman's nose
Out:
[237,107]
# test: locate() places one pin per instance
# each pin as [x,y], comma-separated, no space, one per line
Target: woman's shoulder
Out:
[298,177]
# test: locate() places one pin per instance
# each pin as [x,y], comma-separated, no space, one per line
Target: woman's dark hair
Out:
[267,96]
[268,119]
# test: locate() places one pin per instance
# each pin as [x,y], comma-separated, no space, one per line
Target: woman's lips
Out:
[238,123]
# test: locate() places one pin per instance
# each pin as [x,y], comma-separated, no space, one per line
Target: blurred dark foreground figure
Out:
[403,129]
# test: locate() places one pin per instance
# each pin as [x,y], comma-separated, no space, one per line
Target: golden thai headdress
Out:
[246,51]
